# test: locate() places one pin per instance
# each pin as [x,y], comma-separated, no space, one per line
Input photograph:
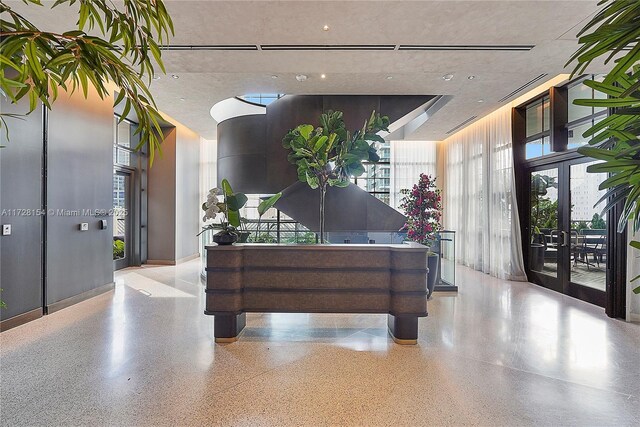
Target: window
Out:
[580,118]
[376,179]
[123,152]
[538,131]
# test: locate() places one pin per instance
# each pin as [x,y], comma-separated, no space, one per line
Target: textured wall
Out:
[79,177]
[161,199]
[21,188]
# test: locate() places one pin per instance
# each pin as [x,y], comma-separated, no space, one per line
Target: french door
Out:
[568,237]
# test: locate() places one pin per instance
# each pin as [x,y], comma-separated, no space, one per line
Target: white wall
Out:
[633,270]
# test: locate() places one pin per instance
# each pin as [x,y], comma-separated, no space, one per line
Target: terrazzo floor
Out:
[497,353]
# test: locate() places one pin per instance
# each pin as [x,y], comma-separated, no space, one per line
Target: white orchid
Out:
[211,205]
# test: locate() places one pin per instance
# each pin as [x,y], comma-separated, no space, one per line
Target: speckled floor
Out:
[498,353]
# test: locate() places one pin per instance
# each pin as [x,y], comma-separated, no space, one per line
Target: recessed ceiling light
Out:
[389,77]
[175,76]
[156,77]
[274,76]
[301,77]
[325,28]
[182,99]
[471,77]
[447,77]
[323,76]
[481,100]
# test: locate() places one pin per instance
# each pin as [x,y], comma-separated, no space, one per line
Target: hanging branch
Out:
[35,63]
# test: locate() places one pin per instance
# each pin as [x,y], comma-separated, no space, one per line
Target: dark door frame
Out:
[614,299]
[130,240]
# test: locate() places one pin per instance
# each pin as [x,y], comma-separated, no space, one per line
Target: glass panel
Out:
[124,134]
[448,257]
[546,114]
[599,95]
[588,228]
[579,91]
[538,147]
[534,118]
[575,135]
[119,216]
[544,234]
[123,157]
[575,138]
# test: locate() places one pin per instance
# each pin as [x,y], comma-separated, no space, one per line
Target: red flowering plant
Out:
[422,205]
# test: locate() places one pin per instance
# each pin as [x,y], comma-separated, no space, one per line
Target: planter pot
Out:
[243,236]
[433,262]
[225,238]
[536,257]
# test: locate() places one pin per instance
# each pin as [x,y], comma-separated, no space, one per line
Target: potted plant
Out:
[263,207]
[544,215]
[329,155]
[422,205]
[229,208]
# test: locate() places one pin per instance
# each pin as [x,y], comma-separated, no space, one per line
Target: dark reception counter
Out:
[258,278]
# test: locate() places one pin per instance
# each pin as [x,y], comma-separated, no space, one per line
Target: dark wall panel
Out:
[356,109]
[242,153]
[20,188]
[283,115]
[79,184]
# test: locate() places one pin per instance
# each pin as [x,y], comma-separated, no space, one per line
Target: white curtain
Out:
[408,160]
[479,197]
[208,169]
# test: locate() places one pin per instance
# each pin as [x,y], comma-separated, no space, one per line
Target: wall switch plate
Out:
[103,224]
[6,229]
[84,226]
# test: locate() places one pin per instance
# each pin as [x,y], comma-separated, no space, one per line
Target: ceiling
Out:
[206,77]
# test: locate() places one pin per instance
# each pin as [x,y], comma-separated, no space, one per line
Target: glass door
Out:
[545,237]
[121,219]
[567,234]
[589,235]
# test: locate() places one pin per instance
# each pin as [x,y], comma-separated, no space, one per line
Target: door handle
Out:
[566,240]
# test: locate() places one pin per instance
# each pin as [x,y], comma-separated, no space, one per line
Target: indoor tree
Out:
[330,155]
[422,205]
[123,45]
[613,34]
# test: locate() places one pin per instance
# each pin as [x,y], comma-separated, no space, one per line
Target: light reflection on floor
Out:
[496,353]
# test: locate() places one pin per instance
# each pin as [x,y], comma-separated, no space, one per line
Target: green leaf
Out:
[305,130]
[226,188]
[267,204]
[312,180]
[236,201]
[635,244]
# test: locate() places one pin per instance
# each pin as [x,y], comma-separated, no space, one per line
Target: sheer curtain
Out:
[408,160]
[479,197]
[208,168]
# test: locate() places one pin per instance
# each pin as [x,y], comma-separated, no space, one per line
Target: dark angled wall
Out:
[20,188]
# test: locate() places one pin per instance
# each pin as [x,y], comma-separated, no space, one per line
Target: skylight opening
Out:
[263,99]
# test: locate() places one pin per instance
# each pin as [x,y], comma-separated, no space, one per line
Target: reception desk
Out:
[279,278]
